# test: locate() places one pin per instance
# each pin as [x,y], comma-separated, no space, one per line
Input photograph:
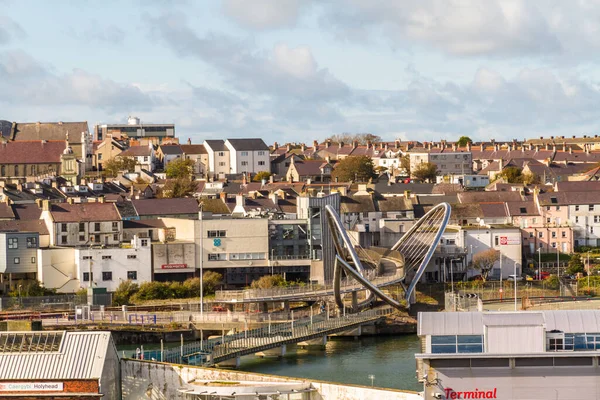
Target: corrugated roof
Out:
[573,321]
[513,319]
[450,323]
[81,356]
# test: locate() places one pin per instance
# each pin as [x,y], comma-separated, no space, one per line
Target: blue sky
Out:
[298,70]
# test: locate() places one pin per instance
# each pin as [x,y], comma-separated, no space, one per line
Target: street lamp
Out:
[20,298]
[372,378]
[539,263]
[452,282]
[201,261]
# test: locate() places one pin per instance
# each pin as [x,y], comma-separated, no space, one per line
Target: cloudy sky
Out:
[298,70]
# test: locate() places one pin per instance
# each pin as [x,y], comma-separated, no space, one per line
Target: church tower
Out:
[69,167]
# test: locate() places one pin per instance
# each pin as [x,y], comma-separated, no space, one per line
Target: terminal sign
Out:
[31,387]
[476,394]
[173,266]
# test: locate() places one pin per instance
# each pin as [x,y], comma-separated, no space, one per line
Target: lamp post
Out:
[558,269]
[452,282]
[539,263]
[515,286]
[588,271]
[201,261]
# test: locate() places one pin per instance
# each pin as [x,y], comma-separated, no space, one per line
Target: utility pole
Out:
[201,261]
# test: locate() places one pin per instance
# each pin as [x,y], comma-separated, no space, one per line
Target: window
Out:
[116,237]
[107,257]
[553,234]
[144,242]
[115,226]
[261,163]
[540,234]
[13,243]
[496,242]
[82,227]
[16,170]
[576,219]
[244,163]
[563,234]
[33,260]
[97,226]
[132,275]
[261,153]
[530,234]
[3,170]
[131,256]
[244,154]
[523,210]
[107,275]
[87,257]
[591,207]
[221,154]
[596,219]
[557,208]
[99,156]
[17,260]
[547,208]
[591,229]
[576,208]
[221,164]
[63,227]
[548,220]
[553,200]
[145,158]
[63,240]
[457,344]
[213,234]
[86,276]
[217,257]
[553,245]
[247,256]
[82,238]
[32,242]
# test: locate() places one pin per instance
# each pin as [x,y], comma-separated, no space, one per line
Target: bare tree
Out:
[484,261]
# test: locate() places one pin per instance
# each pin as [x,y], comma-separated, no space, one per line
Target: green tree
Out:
[268,282]
[575,265]
[484,261]
[425,171]
[180,168]
[405,163]
[261,175]
[358,168]
[175,188]
[115,165]
[124,292]
[211,280]
[361,138]
[512,175]
[463,141]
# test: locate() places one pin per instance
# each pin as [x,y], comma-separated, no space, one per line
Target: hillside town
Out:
[91,208]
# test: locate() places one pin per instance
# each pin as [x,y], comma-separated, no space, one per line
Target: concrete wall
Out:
[56,269]
[152,380]
[110,380]
[168,255]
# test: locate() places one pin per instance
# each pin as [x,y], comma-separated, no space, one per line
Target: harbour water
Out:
[390,359]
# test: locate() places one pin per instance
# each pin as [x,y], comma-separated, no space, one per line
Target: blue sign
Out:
[217,242]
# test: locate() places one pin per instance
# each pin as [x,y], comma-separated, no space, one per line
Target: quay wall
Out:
[161,381]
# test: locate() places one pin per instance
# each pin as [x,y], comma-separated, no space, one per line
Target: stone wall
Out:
[158,381]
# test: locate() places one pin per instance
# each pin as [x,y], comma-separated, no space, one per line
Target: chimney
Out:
[496,147]
[189,140]
[308,181]
[385,147]
[38,202]
[340,144]
[70,200]
[54,184]
[407,194]
[275,146]
[587,148]
[19,187]
[537,148]
[244,182]
[500,165]
[343,190]
[274,198]
[547,146]
[547,162]
[271,178]
[303,147]
[46,205]
[482,146]
[396,144]
[429,145]
[223,197]
[328,143]
[101,199]
[570,149]
[454,147]
[328,159]
[315,144]
[288,147]
[240,200]
[468,146]
[369,144]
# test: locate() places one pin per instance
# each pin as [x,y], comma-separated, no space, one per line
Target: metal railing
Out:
[211,351]
[290,257]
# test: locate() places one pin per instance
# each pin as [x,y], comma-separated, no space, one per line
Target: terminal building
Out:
[510,355]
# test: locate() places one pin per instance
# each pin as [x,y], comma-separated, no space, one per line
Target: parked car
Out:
[514,278]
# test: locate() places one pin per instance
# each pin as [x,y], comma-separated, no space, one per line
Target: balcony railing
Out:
[290,257]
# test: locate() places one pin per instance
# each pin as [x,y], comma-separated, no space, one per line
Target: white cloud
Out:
[9,30]
[298,62]
[264,14]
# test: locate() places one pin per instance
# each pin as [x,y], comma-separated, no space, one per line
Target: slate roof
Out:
[216,145]
[488,197]
[27,211]
[215,206]
[516,208]
[493,210]
[143,224]
[38,225]
[193,148]
[309,167]
[580,186]
[252,144]
[394,203]
[357,204]
[397,188]
[568,198]
[136,151]
[165,206]
[6,211]
[50,131]
[88,212]
[171,149]
[31,152]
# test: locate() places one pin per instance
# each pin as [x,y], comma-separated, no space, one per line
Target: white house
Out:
[218,159]
[143,155]
[248,155]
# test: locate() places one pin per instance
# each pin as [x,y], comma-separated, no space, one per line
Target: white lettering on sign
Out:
[31,386]
[173,266]
[508,240]
[474,394]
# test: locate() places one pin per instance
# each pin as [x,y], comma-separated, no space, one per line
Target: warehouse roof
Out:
[54,354]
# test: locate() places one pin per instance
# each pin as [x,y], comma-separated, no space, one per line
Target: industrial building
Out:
[510,355]
[59,365]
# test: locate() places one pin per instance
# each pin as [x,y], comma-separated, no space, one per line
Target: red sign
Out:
[173,266]
[477,394]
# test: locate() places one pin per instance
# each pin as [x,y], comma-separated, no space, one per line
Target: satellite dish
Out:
[478,219]
[481,222]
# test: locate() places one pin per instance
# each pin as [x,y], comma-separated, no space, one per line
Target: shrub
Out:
[269,281]
[210,281]
[124,292]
